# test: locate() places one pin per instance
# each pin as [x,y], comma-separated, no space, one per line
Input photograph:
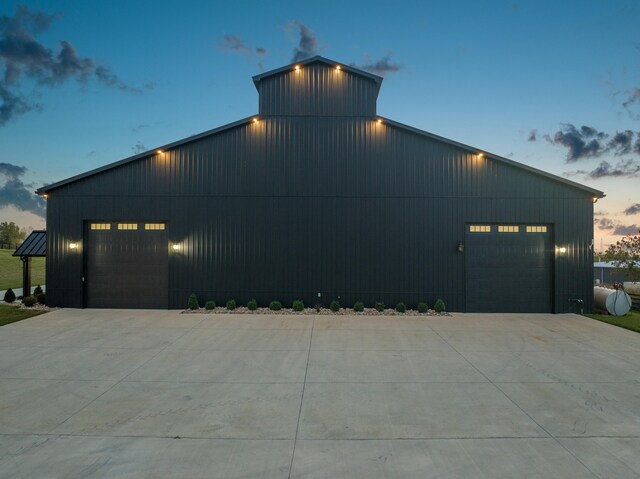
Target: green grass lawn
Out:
[11,270]
[11,314]
[631,320]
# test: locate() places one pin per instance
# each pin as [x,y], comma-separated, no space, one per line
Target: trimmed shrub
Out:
[379,306]
[439,306]
[193,302]
[334,306]
[423,308]
[275,305]
[209,305]
[29,301]
[358,307]
[37,291]
[41,298]
[231,304]
[297,305]
[9,296]
[252,305]
[401,307]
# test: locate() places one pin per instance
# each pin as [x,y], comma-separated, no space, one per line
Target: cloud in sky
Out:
[14,192]
[138,148]
[381,67]
[587,142]
[307,44]
[604,223]
[624,168]
[234,44]
[634,209]
[533,135]
[626,230]
[23,56]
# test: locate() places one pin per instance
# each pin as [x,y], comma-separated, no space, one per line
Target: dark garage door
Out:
[509,268]
[126,265]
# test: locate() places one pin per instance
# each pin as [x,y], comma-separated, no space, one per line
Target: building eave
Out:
[318,59]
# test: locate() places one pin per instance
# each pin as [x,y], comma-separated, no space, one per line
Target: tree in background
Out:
[625,254]
[11,235]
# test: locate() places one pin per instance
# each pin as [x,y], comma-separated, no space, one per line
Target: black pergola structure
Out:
[34,246]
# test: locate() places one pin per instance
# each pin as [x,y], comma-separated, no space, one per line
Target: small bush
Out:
[334,306]
[275,305]
[209,305]
[193,302]
[423,308]
[439,306]
[231,304]
[9,296]
[252,305]
[298,305]
[401,307]
[379,306]
[37,291]
[29,301]
[318,307]
[41,298]
[358,307]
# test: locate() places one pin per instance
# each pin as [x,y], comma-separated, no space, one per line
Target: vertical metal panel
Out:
[320,90]
[290,207]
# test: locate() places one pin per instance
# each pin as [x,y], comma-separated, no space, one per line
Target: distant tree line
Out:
[11,235]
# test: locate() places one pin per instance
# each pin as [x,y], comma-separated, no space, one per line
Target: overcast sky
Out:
[555,85]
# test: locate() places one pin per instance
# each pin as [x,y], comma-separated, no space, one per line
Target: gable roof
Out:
[287,68]
[318,59]
[34,245]
[471,149]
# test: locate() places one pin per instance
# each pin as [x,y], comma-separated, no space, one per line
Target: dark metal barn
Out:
[317,197]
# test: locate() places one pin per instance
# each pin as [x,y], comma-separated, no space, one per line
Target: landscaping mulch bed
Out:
[312,311]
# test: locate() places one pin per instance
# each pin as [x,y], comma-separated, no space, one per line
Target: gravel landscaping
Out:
[308,311]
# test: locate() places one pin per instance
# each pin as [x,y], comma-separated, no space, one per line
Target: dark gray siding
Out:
[318,89]
[294,206]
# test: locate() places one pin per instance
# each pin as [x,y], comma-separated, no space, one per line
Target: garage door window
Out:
[100,226]
[508,229]
[154,226]
[480,228]
[536,229]
[127,226]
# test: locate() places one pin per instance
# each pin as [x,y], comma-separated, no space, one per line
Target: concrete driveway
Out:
[102,394]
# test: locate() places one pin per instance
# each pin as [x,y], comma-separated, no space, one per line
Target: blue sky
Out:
[483,73]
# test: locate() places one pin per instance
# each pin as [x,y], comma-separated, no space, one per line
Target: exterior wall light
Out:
[175,247]
[45,196]
[561,249]
[460,247]
[73,246]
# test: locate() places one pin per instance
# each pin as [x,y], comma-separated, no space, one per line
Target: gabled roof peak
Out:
[318,59]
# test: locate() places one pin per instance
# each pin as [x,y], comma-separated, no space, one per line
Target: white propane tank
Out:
[615,302]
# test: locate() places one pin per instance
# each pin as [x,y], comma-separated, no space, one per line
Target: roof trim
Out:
[318,59]
[593,191]
[47,188]
[34,245]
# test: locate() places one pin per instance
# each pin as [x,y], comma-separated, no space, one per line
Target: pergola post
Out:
[26,276]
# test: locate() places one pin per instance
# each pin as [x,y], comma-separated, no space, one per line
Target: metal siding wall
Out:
[317,90]
[293,206]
